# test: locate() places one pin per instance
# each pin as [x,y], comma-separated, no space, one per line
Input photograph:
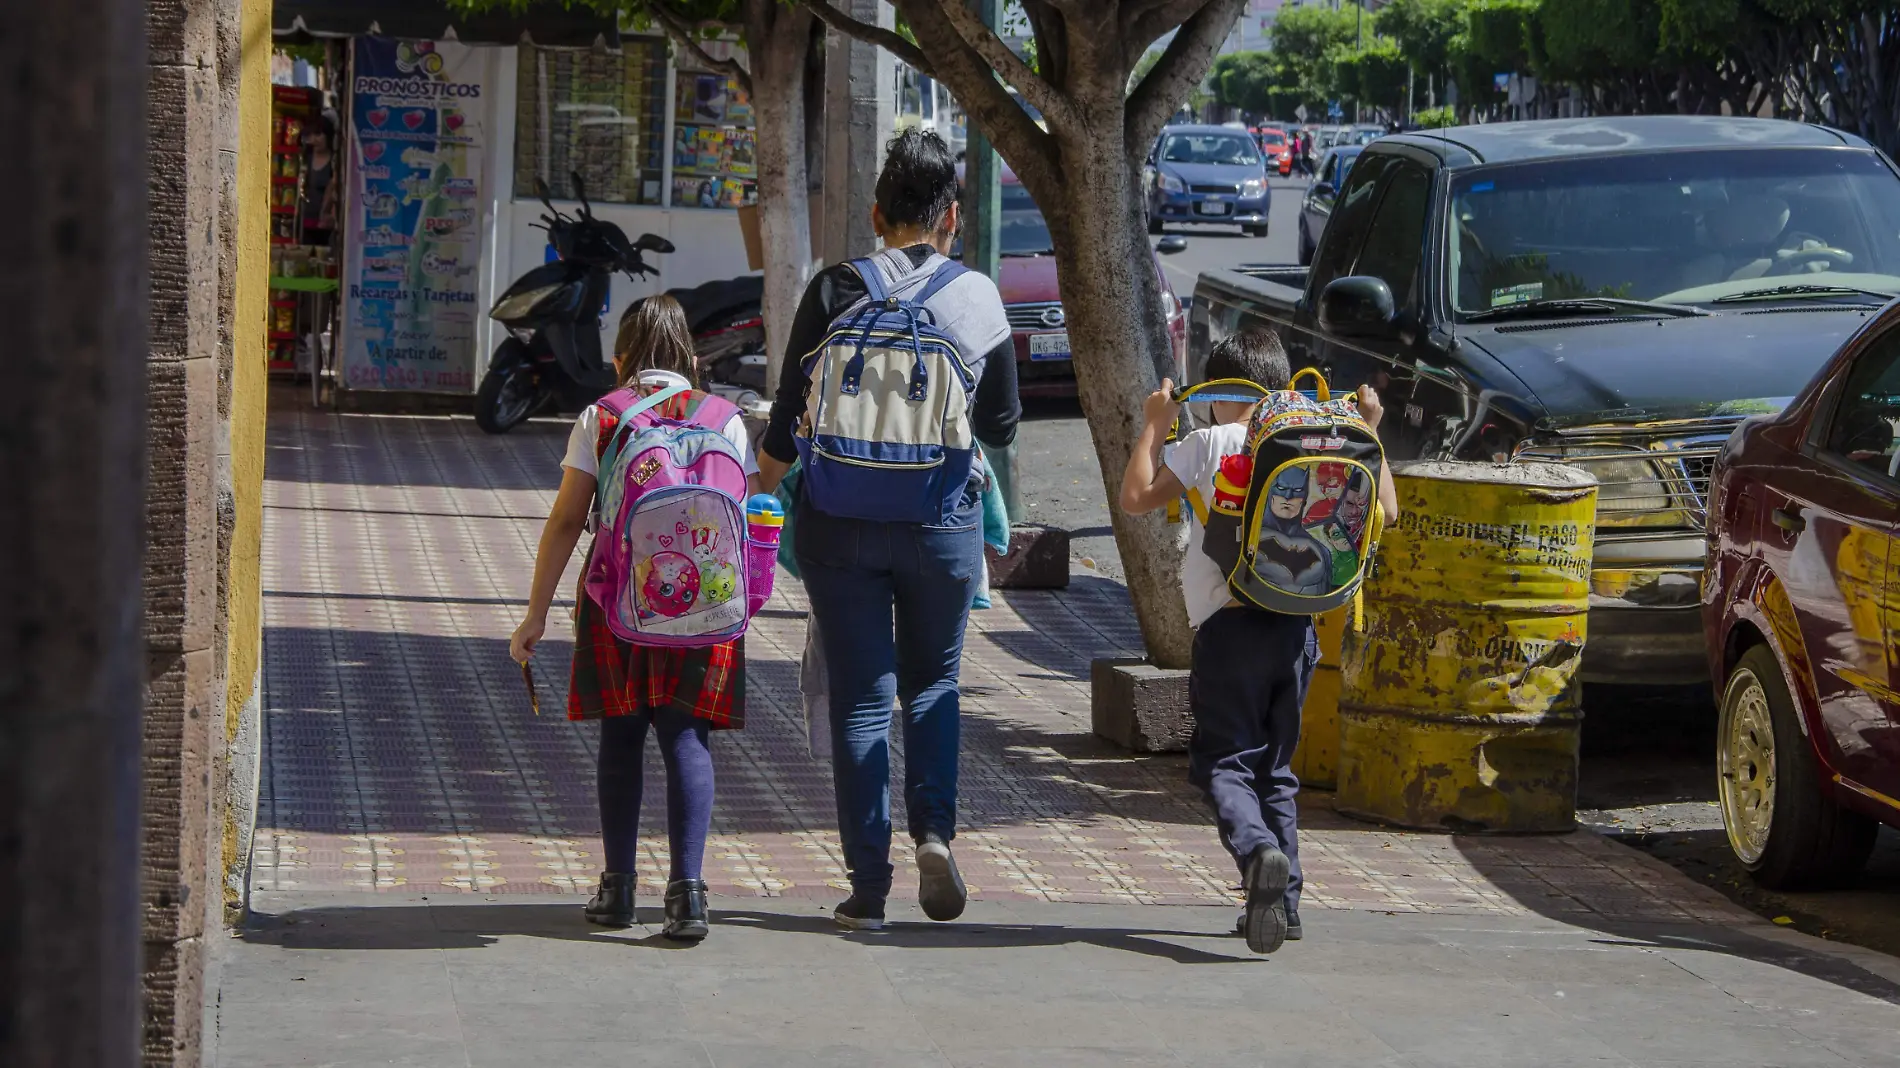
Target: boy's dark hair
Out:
[1255,355]
[919,181]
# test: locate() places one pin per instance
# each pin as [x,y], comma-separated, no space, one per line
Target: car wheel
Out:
[1155,226]
[1781,824]
[1255,231]
[1306,246]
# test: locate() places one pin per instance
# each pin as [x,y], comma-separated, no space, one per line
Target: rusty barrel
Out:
[1316,761]
[1460,707]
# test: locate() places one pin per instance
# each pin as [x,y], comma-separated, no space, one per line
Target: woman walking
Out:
[890,599]
[681,695]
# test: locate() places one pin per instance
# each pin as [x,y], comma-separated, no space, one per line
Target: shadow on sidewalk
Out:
[478,926]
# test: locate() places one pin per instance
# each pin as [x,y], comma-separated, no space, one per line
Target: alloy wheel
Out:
[1747,766]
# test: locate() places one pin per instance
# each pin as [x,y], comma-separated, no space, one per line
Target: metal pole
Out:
[73,290]
[982,244]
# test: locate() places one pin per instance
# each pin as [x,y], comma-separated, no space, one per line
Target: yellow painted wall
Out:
[248,382]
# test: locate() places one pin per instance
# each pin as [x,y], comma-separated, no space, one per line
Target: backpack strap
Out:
[874,288]
[948,272]
[610,452]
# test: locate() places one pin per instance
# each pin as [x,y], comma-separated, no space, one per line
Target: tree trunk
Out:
[1117,329]
[778,39]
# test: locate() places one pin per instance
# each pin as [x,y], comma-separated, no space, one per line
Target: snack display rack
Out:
[715,162]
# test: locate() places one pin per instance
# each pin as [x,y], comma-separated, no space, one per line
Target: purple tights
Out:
[689,787]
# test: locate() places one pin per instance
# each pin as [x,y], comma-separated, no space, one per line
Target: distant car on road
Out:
[1802,613]
[1207,174]
[1317,205]
[1276,147]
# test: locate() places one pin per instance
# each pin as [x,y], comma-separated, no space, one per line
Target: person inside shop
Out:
[319,184]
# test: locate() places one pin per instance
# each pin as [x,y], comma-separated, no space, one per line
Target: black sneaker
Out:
[1293,932]
[860,914]
[1264,922]
[940,887]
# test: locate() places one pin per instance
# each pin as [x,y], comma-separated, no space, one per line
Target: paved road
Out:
[425,840]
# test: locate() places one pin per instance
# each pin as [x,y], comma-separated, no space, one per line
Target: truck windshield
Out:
[1024,231]
[1678,227]
[1230,149]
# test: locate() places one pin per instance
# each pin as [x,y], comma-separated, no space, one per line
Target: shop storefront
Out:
[444,127]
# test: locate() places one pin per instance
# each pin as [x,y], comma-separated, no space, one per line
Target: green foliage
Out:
[1497,33]
[1435,118]
[1423,30]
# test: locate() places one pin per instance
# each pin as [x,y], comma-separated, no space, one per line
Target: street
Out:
[1649,767]
[425,841]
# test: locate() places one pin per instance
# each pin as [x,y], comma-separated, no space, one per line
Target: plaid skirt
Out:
[616,678]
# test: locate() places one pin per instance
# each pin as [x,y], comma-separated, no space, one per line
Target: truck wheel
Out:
[508,393]
[1784,828]
[1306,246]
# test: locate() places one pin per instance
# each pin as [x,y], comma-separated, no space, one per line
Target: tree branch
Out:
[1144,24]
[889,40]
[684,33]
[984,42]
[1180,68]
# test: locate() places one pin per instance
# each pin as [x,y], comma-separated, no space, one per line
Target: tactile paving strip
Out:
[400,751]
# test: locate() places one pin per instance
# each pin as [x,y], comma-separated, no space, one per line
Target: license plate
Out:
[1049,346]
[1213,207]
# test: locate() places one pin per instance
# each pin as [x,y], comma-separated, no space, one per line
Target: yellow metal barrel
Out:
[1316,761]
[1459,706]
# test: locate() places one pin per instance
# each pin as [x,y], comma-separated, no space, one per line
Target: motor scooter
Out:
[553,357]
[552,354]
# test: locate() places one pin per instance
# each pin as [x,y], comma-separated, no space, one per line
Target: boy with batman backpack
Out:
[1271,486]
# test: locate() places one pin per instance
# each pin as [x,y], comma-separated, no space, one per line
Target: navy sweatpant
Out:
[1251,669]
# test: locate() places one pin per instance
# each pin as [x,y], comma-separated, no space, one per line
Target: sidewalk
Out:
[424,839]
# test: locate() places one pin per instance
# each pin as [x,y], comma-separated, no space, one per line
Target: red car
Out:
[1034,300]
[1802,607]
[1275,146]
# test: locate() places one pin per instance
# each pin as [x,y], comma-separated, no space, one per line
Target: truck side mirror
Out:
[1357,306]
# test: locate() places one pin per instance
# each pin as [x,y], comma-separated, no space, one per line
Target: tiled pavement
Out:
[423,837]
[401,753]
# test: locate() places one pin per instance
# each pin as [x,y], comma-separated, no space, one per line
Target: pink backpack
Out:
[671,563]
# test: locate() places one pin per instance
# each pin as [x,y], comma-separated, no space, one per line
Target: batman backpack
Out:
[1294,516]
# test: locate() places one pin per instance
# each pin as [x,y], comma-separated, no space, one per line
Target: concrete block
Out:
[1139,706]
[1038,559]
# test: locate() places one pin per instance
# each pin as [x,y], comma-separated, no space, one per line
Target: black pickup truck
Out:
[1616,293]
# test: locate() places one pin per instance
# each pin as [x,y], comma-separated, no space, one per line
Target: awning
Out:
[547,23]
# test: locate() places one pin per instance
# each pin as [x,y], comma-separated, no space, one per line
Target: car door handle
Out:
[1789,519]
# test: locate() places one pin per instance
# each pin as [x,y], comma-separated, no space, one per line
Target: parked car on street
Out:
[1033,301]
[1616,293]
[1207,174]
[1316,206]
[1802,610]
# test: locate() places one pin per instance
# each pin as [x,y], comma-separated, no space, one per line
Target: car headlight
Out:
[1253,187]
[1633,493]
[1168,183]
[1170,305]
[520,304]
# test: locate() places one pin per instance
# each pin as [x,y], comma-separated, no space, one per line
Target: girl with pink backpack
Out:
[663,472]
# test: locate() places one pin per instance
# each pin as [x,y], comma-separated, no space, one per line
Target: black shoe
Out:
[1265,883]
[613,902]
[860,913]
[1293,932]
[940,887]
[685,911]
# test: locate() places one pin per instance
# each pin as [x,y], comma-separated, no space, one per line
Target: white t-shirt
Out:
[1195,460]
[582,439]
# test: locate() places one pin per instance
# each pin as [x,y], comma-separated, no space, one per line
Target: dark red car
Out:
[1027,279]
[1802,606]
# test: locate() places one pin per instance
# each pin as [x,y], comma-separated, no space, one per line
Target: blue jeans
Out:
[1246,689]
[890,601]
